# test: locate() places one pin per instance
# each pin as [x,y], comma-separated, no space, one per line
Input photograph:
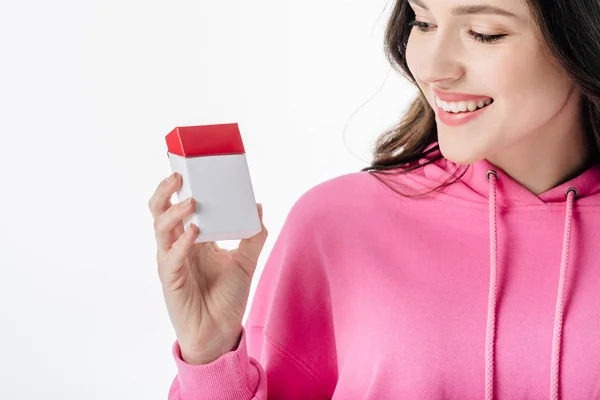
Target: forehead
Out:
[512,9]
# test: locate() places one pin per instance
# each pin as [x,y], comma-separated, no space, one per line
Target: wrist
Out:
[200,356]
[193,358]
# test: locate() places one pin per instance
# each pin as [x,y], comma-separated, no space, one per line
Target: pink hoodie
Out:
[482,290]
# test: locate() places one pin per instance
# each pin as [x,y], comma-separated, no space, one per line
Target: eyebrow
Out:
[471,9]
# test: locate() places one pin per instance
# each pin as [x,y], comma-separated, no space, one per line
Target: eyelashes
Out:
[479,37]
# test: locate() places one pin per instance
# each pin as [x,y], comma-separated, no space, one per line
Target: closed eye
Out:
[480,37]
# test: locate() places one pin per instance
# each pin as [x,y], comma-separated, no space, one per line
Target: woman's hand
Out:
[206,288]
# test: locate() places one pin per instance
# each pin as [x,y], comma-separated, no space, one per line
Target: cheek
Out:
[414,59]
[529,89]
[412,55]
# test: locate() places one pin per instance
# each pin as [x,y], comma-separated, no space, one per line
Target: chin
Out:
[459,152]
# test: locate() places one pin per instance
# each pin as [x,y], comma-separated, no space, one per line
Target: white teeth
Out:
[461,106]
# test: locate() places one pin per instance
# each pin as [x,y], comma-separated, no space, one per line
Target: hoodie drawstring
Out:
[571,194]
[491,313]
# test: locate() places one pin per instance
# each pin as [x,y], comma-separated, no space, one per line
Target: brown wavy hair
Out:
[570,30]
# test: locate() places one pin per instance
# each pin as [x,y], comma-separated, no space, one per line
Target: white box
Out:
[212,162]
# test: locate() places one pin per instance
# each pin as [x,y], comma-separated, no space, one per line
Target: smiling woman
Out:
[476,276]
[537,62]
[536,116]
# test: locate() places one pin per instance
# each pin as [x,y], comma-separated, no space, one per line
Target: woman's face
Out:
[528,93]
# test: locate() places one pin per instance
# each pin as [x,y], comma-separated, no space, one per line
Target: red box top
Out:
[205,140]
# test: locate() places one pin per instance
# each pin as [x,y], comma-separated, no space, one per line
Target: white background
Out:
[88,90]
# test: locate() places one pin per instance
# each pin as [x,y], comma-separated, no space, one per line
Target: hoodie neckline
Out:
[473,185]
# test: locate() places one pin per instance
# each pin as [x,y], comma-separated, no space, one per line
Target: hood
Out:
[474,186]
[485,186]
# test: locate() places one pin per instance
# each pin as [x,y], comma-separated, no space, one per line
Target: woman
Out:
[463,263]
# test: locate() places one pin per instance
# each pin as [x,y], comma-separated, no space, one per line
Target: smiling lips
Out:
[456,96]
[462,106]
[455,109]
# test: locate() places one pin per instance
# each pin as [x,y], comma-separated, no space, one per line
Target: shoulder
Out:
[336,190]
[356,188]
[339,199]
[339,188]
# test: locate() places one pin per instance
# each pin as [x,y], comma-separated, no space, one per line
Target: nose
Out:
[440,59]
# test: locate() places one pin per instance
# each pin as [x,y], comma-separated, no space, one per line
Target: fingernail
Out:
[171,178]
[189,201]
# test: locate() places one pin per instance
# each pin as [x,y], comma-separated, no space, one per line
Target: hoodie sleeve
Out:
[287,345]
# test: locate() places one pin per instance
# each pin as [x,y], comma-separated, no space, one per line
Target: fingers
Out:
[161,199]
[249,249]
[168,227]
[180,249]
